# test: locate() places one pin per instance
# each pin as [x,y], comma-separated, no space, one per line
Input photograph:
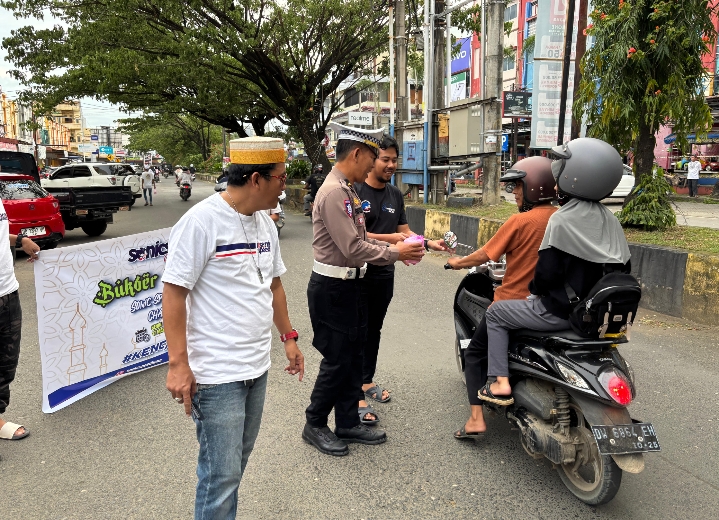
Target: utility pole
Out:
[438,95]
[581,49]
[401,61]
[391,71]
[566,63]
[493,44]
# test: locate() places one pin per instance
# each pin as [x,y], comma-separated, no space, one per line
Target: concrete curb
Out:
[673,282]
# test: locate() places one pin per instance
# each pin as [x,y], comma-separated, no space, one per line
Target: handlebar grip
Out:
[447,266]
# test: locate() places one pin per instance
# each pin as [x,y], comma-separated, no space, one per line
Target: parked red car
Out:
[31,210]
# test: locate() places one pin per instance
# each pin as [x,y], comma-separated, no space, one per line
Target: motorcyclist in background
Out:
[312,184]
[519,239]
[192,169]
[583,240]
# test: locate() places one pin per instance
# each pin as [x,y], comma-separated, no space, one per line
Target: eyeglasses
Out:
[282,178]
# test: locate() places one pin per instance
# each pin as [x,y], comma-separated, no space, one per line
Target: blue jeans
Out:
[227,418]
[146,192]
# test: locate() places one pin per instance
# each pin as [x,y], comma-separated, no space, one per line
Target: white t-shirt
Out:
[229,310]
[146,179]
[8,282]
[186,177]
[693,170]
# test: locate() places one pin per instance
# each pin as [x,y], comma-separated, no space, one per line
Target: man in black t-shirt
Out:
[386,220]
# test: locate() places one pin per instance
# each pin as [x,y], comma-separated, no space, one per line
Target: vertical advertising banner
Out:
[548,54]
[99,311]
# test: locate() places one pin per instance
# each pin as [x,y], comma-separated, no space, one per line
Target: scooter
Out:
[280,223]
[570,395]
[185,190]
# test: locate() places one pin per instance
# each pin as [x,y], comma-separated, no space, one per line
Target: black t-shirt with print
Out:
[384,211]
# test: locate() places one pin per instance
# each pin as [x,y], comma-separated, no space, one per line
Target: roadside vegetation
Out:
[692,239]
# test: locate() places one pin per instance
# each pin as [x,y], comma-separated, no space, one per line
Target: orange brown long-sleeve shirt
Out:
[340,235]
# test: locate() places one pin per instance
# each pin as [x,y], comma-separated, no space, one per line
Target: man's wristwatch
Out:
[426,244]
[293,334]
[18,240]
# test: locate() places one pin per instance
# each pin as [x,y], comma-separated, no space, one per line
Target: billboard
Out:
[462,60]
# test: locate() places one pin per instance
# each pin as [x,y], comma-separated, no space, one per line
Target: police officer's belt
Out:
[344,273]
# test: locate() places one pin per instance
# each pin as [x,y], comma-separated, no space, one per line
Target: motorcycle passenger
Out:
[583,240]
[186,177]
[312,184]
[519,239]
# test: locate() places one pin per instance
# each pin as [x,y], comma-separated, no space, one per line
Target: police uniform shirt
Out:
[384,212]
[340,235]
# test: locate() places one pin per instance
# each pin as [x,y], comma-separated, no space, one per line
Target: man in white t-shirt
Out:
[693,170]
[10,320]
[222,291]
[148,183]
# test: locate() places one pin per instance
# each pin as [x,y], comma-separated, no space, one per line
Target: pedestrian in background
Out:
[312,185]
[224,261]
[10,320]
[148,184]
[693,170]
[386,220]
[336,293]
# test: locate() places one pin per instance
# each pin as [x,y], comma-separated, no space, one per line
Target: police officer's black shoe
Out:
[324,440]
[361,434]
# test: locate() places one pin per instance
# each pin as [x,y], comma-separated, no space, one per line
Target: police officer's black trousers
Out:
[379,296]
[475,363]
[10,328]
[338,311]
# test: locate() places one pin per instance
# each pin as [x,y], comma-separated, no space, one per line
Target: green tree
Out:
[225,62]
[174,136]
[645,70]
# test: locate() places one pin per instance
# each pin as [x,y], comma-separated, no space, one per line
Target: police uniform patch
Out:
[360,220]
[366,206]
[348,208]
[356,201]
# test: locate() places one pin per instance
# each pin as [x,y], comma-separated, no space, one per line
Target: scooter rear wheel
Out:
[594,478]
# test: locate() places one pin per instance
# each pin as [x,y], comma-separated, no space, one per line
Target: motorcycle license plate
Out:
[618,439]
[33,231]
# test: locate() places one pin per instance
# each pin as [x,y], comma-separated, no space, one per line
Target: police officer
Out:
[336,294]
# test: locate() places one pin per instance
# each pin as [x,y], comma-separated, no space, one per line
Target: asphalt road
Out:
[128,451]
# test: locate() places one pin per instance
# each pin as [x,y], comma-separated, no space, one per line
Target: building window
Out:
[510,12]
[508,63]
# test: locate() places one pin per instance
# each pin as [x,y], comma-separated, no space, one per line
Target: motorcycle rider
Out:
[519,238]
[312,184]
[583,240]
[192,169]
[185,178]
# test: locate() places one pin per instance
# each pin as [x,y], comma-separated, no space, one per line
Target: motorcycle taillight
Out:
[617,386]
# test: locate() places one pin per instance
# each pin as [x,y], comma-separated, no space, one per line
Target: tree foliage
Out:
[174,136]
[649,208]
[645,70]
[226,62]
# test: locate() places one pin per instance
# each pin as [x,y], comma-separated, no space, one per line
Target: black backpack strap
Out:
[573,298]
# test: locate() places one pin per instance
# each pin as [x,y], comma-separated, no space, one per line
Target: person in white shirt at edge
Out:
[222,291]
[148,183]
[693,170]
[10,320]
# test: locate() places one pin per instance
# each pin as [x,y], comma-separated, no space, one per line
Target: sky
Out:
[97,113]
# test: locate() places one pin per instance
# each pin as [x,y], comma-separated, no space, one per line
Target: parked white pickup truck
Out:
[95,175]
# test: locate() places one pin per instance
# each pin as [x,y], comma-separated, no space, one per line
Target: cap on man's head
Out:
[257,150]
[372,138]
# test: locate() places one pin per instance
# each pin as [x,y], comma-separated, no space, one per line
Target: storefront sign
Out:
[7,147]
[359,118]
[459,87]
[99,314]
[85,148]
[517,104]
[461,61]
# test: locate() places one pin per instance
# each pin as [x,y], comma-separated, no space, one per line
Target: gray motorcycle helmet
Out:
[587,168]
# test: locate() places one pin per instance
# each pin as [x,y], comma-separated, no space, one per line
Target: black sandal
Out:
[462,433]
[485,394]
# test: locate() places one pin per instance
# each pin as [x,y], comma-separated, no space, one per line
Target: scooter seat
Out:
[567,338]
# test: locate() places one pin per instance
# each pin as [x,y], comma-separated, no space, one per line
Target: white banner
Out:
[99,313]
[359,118]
